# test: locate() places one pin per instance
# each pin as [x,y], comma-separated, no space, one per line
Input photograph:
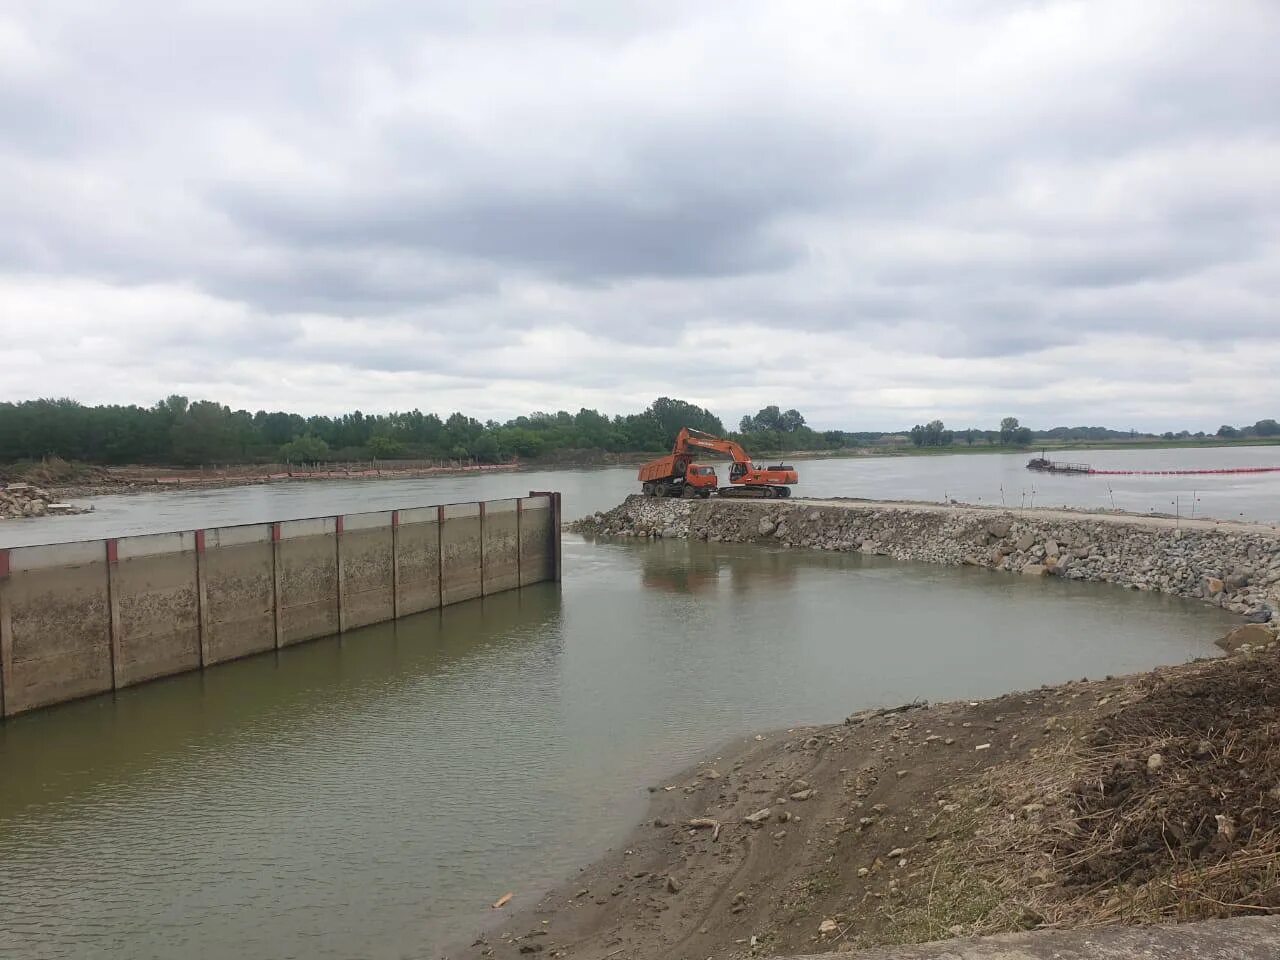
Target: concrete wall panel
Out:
[56,630]
[460,551]
[155,544]
[83,618]
[239,593]
[501,546]
[367,581]
[537,561]
[159,615]
[307,578]
[418,545]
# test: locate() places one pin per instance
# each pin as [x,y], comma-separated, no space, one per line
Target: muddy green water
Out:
[369,796]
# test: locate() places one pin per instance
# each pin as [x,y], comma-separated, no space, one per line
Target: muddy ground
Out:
[1136,799]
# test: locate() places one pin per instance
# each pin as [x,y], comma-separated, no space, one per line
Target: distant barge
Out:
[1054,466]
[1044,465]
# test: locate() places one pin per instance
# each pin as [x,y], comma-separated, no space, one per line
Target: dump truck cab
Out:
[701,477]
[678,476]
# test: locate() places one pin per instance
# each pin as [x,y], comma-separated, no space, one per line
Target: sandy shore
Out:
[1040,808]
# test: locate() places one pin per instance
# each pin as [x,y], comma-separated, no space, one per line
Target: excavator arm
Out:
[689,439]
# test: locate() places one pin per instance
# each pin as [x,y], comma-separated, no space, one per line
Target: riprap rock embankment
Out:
[1235,566]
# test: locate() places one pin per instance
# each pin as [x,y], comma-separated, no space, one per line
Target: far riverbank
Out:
[77,479]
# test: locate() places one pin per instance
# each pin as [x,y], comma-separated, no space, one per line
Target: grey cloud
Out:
[393,177]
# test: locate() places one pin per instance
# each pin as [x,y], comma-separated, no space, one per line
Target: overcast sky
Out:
[875,212]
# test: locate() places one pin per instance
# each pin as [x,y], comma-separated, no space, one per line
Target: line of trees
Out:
[1262,428]
[1011,433]
[177,431]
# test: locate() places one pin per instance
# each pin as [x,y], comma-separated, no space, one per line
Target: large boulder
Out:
[1236,581]
[1253,634]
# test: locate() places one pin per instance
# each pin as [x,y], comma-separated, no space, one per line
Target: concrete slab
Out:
[537,549]
[55,638]
[418,560]
[367,594]
[239,597]
[307,585]
[460,552]
[159,613]
[501,546]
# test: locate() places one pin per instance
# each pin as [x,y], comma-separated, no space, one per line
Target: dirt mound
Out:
[1192,784]
[54,472]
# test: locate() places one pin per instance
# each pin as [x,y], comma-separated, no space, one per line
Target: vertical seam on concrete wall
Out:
[394,565]
[555,532]
[6,629]
[202,598]
[440,557]
[277,579]
[113,604]
[519,541]
[482,548]
[338,528]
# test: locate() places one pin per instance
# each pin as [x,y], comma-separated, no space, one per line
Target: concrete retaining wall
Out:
[83,618]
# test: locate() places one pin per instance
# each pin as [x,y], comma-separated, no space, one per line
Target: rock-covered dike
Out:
[1234,568]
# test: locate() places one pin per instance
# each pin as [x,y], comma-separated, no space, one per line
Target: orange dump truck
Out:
[677,476]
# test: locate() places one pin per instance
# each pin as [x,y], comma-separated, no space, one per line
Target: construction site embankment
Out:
[1235,566]
[83,618]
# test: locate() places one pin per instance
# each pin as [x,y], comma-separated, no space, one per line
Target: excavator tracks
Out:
[753,493]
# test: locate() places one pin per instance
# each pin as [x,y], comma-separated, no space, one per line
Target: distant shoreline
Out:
[91,480]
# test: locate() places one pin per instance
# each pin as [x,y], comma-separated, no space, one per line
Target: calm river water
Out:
[973,478]
[369,796]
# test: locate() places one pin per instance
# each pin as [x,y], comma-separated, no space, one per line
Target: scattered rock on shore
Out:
[27,500]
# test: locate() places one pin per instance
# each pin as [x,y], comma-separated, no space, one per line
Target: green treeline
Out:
[179,432]
[1012,433]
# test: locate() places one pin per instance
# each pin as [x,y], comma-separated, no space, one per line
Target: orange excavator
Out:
[676,475]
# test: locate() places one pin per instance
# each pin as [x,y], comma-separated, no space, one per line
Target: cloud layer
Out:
[877,213]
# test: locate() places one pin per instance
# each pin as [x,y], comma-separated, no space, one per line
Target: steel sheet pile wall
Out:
[84,618]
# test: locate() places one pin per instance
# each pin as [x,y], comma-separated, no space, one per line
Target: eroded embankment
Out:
[1234,566]
[1122,801]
